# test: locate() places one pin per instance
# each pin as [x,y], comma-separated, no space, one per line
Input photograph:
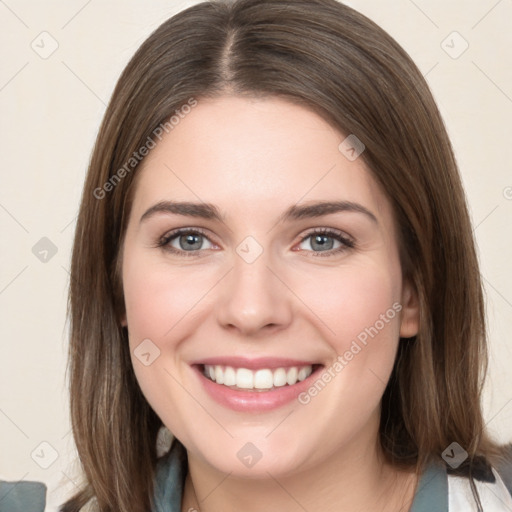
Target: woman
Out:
[274,261]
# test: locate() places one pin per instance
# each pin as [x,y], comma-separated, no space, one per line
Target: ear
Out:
[123,320]
[410,319]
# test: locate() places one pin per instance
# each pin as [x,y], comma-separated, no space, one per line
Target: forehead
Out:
[243,154]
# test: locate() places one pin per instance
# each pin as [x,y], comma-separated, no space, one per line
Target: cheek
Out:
[160,305]
[346,303]
[158,297]
[354,300]
[359,308]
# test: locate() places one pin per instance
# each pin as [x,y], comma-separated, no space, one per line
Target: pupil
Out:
[321,241]
[191,241]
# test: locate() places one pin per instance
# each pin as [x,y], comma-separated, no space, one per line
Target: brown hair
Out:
[329,58]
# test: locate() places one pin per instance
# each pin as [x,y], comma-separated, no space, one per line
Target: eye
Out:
[189,241]
[185,240]
[324,240]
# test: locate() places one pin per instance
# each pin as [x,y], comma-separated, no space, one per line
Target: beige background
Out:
[51,108]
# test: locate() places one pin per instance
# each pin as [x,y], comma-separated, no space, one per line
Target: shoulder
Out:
[22,495]
[494,495]
[444,490]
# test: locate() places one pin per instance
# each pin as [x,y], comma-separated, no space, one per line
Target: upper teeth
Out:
[258,379]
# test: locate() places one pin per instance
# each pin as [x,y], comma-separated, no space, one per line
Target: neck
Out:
[353,478]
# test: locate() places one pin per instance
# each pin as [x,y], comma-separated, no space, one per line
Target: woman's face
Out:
[252,283]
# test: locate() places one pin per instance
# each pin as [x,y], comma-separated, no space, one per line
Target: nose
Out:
[254,299]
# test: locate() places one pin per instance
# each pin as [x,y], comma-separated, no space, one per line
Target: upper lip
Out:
[253,364]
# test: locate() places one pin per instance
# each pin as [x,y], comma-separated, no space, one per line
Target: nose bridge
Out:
[253,297]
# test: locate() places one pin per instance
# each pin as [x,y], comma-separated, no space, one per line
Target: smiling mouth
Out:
[260,380]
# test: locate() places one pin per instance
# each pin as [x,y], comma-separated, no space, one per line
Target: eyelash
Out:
[346,242]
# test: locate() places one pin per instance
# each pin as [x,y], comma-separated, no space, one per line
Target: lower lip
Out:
[254,401]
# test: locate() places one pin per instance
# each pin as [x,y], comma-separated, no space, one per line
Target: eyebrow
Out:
[295,212]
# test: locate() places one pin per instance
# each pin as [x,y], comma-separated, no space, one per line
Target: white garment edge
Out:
[494,497]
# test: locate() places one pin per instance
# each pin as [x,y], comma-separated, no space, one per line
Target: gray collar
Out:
[432,491]
[171,471]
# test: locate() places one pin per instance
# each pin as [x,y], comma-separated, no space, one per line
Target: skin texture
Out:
[253,159]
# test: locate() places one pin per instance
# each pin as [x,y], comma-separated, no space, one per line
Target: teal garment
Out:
[171,471]
[431,496]
[432,492]
[23,496]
